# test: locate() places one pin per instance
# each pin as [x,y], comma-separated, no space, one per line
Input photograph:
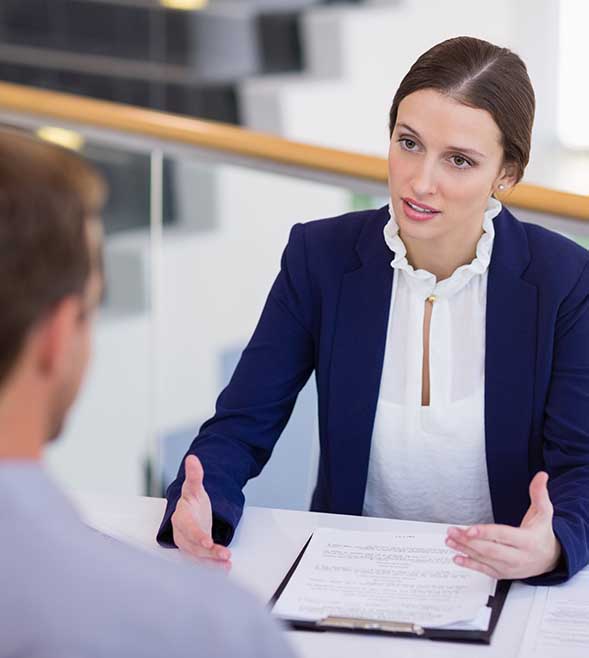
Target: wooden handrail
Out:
[243,142]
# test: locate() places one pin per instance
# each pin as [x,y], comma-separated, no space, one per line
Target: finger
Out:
[201,555]
[494,553]
[186,539]
[223,565]
[217,553]
[221,552]
[184,521]
[504,534]
[539,496]
[196,535]
[201,542]
[193,479]
[189,547]
[469,563]
[529,517]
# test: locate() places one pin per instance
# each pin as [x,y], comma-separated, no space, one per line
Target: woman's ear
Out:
[506,179]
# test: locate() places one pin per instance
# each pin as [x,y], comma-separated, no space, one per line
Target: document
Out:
[386,577]
[558,624]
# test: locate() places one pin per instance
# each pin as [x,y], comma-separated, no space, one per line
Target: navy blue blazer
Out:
[327,312]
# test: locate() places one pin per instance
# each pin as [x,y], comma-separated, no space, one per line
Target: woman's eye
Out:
[460,162]
[408,144]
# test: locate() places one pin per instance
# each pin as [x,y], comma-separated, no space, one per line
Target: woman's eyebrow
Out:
[450,148]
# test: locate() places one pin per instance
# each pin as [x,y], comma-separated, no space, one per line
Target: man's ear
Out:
[55,334]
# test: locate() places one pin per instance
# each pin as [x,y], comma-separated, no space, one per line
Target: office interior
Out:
[194,236]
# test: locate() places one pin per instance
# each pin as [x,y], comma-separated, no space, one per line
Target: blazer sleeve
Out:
[566,434]
[254,408]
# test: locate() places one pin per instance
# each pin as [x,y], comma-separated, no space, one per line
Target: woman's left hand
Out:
[507,552]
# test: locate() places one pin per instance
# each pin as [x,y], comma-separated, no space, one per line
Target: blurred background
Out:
[194,233]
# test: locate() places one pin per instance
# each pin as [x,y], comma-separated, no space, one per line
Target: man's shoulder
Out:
[94,591]
[189,603]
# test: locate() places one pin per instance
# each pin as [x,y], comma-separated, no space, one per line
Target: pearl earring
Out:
[501,186]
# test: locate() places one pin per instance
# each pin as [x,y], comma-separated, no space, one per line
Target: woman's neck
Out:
[442,257]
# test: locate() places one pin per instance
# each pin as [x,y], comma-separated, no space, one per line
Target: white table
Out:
[265,545]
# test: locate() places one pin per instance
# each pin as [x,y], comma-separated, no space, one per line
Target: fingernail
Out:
[451,543]
[472,532]
[207,543]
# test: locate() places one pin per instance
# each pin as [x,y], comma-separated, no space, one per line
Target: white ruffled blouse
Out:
[427,463]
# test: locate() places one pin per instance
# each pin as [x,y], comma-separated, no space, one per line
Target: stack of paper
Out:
[383,576]
[558,624]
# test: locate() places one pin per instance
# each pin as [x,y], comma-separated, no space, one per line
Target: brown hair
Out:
[47,194]
[478,74]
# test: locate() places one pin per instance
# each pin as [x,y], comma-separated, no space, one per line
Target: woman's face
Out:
[448,158]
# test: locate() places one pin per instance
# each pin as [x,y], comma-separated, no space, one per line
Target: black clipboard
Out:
[391,628]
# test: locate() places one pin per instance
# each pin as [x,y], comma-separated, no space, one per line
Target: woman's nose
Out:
[424,179]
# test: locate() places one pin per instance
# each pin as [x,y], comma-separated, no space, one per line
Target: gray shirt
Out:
[66,591]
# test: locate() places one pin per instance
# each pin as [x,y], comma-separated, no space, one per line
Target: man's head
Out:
[50,273]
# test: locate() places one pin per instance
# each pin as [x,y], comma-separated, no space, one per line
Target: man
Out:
[64,590]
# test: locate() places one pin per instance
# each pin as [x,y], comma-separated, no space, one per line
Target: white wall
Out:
[355,58]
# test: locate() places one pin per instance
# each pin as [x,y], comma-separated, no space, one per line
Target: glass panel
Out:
[219,260]
[178,312]
[107,437]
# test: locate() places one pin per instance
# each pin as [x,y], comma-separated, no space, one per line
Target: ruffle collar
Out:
[425,281]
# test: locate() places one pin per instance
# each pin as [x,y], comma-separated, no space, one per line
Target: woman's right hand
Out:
[192,520]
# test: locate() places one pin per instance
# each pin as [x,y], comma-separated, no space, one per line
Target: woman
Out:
[450,345]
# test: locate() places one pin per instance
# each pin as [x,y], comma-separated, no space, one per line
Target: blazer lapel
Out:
[356,367]
[509,370]
[357,359]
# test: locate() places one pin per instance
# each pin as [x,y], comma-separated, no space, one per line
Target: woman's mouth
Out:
[417,211]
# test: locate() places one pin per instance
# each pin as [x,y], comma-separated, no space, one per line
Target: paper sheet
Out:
[558,624]
[384,576]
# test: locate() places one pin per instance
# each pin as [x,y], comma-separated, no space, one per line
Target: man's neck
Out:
[22,424]
[10,452]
